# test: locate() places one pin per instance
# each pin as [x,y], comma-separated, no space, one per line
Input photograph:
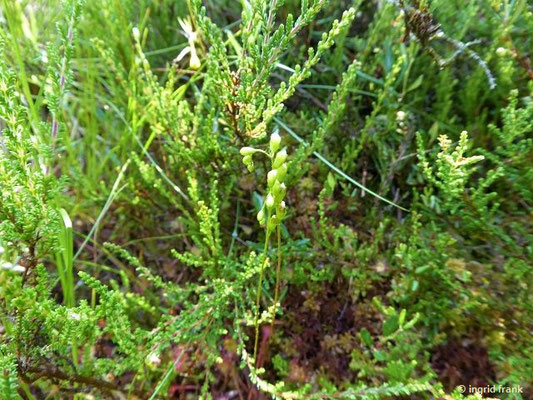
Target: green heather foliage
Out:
[289,199]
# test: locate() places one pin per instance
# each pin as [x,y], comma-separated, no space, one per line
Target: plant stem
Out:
[259,291]
[26,389]
[63,75]
[278,274]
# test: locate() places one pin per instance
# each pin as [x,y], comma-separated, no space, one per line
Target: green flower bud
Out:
[269,201]
[273,222]
[275,141]
[279,190]
[146,64]
[280,158]
[249,162]
[261,217]
[281,210]
[247,151]
[282,171]
[194,62]
[276,188]
[271,177]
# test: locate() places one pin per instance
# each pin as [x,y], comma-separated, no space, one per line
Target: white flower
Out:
[192,37]
[12,267]
[74,316]
[275,141]
[400,115]
[153,360]
[269,201]
[136,33]
[501,51]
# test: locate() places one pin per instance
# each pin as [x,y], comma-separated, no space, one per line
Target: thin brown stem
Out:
[55,374]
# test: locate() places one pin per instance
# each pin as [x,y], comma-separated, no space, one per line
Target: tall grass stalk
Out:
[65,268]
[65,259]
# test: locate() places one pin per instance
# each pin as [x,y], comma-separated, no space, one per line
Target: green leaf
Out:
[412,323]
[331,182]
[416,83]
[365,335]
[391,325]
[419,270]
[258,201]
[401,320]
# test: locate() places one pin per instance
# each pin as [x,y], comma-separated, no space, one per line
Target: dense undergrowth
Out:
[265,199]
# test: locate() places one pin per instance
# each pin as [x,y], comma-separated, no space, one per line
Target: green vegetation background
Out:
[265,199]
